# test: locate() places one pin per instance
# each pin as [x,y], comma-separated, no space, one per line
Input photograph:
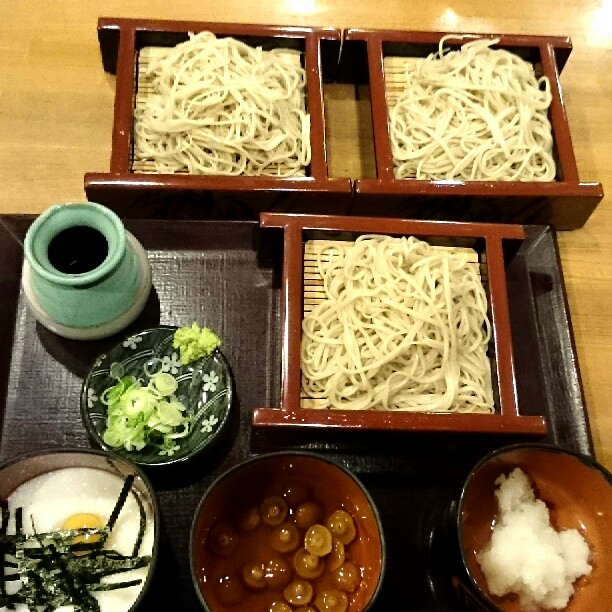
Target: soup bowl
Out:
[577,492]
[78,519]
[287,530]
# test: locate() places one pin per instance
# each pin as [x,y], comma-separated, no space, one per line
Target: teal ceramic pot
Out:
[84,276]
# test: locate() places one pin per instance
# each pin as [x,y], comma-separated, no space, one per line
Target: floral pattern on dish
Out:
[205,388]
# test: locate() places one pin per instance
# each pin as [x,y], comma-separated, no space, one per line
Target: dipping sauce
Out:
[77,250]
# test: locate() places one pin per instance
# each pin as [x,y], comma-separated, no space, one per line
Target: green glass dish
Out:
[205,387]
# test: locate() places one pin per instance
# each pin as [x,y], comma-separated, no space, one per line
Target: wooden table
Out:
[56,112]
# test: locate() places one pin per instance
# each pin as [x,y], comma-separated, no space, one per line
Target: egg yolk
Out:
[84,521]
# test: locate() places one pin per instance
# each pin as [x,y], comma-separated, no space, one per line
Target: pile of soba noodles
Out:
[403,326]
[475,114]
[221,107]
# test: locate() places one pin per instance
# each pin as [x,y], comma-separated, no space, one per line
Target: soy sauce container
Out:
[84,276]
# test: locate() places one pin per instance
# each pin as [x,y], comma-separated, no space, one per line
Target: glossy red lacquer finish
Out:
[565,203]
[507,420]
[120,188]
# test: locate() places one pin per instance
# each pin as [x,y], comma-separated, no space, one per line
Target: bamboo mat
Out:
[395,76]
[314,291]
[144,89]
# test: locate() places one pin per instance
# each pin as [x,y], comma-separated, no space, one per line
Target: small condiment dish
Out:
[205,388]
[578,494]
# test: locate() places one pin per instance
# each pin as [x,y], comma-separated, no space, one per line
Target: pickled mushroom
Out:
[308,513]
[347,577]
[273,510]
[279,606]
[285,537]
[284,552]
[298,592]
[342,526]
[229,590]
[223,539]
[296,492]
[249,519]
[278,573]
[307,565]
[336,556]
[318,540]
[331,601]
[254,574]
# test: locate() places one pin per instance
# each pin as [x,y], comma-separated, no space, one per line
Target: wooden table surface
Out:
[56,113]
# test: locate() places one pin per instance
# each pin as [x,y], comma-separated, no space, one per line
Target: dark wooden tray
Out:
[228,275]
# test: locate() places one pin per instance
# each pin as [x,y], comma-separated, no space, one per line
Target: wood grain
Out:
[56,111]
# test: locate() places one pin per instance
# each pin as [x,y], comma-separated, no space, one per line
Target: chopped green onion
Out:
[141,416]
[165,383]
[152,366]
[116,370]
[110,395]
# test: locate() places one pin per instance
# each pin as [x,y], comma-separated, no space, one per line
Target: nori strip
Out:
[143,515]
[142,527]
[78,592]
[127,485]
[19,521]
[5,516]
[113,586]
[39,587]
[2,571]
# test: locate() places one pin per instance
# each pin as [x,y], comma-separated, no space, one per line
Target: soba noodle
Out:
[403,327]
[476,114]
[223,107]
